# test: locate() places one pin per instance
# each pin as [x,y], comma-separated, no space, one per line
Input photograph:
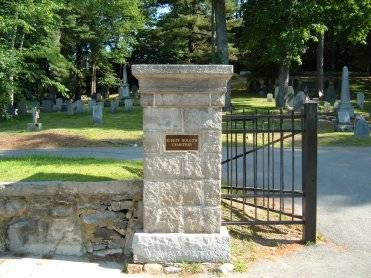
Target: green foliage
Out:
[183,34]
[49,47]
[192,268]
[278,30]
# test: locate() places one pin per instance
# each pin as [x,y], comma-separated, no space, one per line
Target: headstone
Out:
[128,107]
[71,108]
[22,108]
[326,107]
[283,96]
[59,101]
[361,128]
[124,87]
[343,117]
[79,104]
[35,125]
[270,97]
[299,100]
[91,103]
[345,105]
[330,93]
[361,100]
[124,91]
[98,113]
[47,105]
[114,106]
[58,104]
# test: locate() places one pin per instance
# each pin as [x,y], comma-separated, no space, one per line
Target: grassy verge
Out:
[40,168]
[62,130]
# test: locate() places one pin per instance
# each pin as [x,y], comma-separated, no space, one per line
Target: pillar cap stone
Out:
[184,70]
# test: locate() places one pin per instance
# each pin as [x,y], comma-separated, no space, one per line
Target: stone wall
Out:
[69,218]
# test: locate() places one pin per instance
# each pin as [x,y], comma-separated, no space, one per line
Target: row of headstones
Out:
[97,108]
[296,101]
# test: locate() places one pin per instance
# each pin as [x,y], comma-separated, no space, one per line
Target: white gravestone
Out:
[270,97]
[345,105]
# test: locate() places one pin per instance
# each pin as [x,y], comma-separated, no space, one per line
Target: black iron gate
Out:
[270,169]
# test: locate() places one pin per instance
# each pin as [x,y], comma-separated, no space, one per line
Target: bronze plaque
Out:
[182,142]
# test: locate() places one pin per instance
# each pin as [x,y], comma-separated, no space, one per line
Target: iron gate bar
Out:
[261,189]
[258,148]
[274,197]
[273,210]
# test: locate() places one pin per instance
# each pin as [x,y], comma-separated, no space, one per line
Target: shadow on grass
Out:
[66,177]
[265,235]
[57,140]
[133,170]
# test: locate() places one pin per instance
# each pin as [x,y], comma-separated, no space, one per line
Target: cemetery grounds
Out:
[125,130]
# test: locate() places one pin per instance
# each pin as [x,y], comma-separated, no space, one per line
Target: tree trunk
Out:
[222,42]
[320,50]
[78,84]
[283,83]
[93,86]
[212,19]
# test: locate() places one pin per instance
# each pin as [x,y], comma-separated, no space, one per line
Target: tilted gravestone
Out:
[182,125]
[361,128]
[98,113]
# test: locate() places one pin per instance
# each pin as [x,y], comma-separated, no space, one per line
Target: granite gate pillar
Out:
[182,126]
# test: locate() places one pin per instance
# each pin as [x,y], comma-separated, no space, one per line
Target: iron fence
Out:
[270,169]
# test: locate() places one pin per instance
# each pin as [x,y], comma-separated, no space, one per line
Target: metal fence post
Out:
[309,171]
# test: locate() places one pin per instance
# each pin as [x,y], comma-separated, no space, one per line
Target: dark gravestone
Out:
[22,108]
[330,94]
[361,128]
[47,105]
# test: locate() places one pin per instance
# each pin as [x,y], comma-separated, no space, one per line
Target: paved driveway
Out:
[344,218]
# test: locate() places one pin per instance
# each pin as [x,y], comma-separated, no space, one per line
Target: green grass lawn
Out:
[62,130]
[43,168]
